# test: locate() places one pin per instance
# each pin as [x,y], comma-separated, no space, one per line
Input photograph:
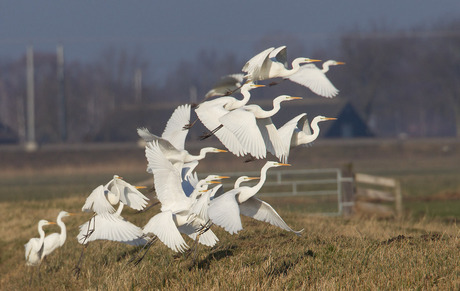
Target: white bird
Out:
[254,129]
[34,250]
[293,136]
[225,210]
[227,85]
[172,141]
[209,113]
[176,215]
[272,63]
[56,240]
[315,79]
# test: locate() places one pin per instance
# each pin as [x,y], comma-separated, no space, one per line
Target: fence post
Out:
[348,191]
[398,199]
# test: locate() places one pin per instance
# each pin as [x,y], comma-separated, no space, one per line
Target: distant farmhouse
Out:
[122,124]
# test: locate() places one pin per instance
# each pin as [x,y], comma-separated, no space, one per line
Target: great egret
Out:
[225,210]
[254,128]
[315,79]
[293,136]
[34,248]
[209,113]
[228,84]
[272,63]
[176,215]
[55,240]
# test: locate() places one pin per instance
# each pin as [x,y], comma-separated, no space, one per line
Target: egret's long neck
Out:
[243,196]
[242,102]
[325,67]
[304,138]
[63,235]
[42,234]
[296,65]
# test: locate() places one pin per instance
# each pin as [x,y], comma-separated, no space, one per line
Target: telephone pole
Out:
[31,144]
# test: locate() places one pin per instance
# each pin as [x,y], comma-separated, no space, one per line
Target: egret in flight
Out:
[227,85]
[225,210]
[297,132]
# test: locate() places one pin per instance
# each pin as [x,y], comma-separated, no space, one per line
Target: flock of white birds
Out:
[189,205]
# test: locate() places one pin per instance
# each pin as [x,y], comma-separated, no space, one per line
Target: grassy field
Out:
[421,250]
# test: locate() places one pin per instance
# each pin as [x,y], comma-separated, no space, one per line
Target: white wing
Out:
[262,211]
[162,225]
[209,113]
[147,136]
[97,202]
[109,227]
[243,125]
[272,140]
[174,131]
[312,77]
[51,243]
[167,180]
[32,251]
[258,66]
[279,55]
[286,133]
[224,212]
[227,84]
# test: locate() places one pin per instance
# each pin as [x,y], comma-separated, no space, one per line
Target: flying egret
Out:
[209,113]
[315,79]
[272,63]
[55,240]
[34,249]
[293,136]
[120,190]
[225,210]
[254,128]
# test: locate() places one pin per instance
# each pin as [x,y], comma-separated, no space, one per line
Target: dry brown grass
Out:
[333,253]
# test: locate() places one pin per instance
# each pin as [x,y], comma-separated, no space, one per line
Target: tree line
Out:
[403,83]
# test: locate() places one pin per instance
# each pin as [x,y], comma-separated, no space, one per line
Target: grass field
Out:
[421,250]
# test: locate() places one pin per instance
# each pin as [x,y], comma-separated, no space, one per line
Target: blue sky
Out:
[168,31]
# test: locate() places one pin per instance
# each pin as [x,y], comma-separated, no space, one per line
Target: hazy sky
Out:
[167,31]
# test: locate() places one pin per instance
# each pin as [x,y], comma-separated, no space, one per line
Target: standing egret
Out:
[225,209]
[254,128]
[34,249]
[293,136]
[315,79]
[272,63]
[55,240]
[209,113]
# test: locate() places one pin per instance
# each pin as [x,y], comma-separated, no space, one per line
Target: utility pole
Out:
[61,93]
[138,86]
[30,145]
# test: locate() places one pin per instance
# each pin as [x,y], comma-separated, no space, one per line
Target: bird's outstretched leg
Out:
[204,228]
[136,259]
[206,135]
[89,232]
[189,125]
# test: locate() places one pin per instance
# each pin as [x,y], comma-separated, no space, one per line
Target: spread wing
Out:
[97,202]
[224,212]
[313,78]
[261,210]
[174,131]
[162,225]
